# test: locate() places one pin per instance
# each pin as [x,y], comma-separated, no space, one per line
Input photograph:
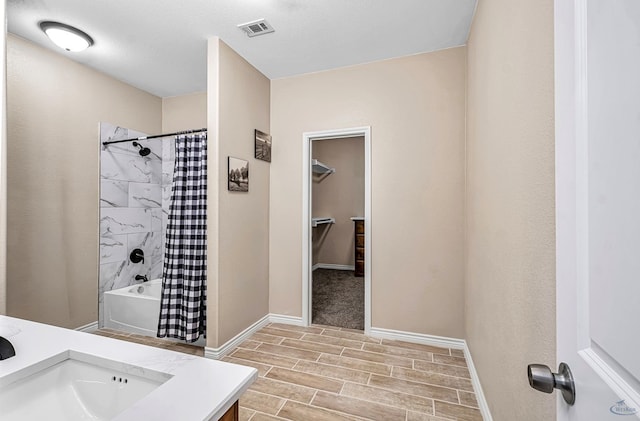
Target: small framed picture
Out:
[263,146]
[238,175]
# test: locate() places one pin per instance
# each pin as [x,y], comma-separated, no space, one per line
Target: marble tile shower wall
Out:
[168,163]
[132,196]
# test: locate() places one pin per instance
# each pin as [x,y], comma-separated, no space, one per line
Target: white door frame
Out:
[307,179]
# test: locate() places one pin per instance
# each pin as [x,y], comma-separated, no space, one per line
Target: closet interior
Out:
[337,204]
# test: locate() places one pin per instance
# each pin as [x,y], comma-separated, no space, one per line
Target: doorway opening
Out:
[336,226]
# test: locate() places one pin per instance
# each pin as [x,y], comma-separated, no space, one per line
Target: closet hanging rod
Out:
[154,136]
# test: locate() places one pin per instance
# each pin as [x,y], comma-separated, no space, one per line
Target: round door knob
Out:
[543,379]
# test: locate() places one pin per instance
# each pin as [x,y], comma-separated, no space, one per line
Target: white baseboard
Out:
[221,351]
[332,266]
[287,320]
[217,353]
[477,387]
[444,342]
[88,328]
[419,338]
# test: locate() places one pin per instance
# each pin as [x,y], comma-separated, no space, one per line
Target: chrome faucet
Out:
[6,349]
[142,277]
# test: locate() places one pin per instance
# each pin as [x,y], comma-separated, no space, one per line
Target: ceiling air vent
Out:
[257,27]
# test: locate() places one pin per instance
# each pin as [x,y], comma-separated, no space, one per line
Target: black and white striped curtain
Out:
[184,278]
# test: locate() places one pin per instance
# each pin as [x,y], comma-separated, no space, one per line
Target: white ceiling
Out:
[160,46]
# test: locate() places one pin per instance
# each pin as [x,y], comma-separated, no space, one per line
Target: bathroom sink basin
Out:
[75,386]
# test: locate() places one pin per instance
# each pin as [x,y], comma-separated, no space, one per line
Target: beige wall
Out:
[54,107]
[416,109]
[339,195]
[3,167]
[510,264]
[238,276]
[184,112]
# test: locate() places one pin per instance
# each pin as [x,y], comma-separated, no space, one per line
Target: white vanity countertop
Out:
[200,389]
[357,218]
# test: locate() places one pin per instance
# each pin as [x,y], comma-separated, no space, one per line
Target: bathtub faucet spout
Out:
[142,277]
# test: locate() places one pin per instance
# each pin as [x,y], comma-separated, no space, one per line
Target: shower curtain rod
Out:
[155,136]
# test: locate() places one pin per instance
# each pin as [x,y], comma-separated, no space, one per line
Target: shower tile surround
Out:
[134,205]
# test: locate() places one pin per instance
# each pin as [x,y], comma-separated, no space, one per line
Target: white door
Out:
[597,59]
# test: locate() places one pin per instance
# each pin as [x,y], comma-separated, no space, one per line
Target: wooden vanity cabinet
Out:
[232,414]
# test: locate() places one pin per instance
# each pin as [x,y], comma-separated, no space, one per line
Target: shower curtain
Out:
[184,278]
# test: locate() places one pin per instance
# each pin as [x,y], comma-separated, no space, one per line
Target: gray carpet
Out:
[338,299]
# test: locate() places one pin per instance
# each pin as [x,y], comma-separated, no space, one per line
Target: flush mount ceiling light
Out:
[65,36]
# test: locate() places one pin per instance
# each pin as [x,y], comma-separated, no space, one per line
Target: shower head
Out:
[143,151]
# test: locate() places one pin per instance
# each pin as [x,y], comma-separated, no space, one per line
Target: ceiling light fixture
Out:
[65,36]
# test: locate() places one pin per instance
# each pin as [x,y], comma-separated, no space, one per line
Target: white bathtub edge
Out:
[125,290]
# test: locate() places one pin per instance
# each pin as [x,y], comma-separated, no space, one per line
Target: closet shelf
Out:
[320,221]
[320,168]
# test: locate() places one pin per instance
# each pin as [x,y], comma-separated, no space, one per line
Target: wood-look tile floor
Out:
[322,373]
[147,340]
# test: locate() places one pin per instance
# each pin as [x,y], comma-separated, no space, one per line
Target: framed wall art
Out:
[238,175]
[263,146]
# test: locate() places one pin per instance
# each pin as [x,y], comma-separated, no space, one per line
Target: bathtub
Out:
[134,309]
